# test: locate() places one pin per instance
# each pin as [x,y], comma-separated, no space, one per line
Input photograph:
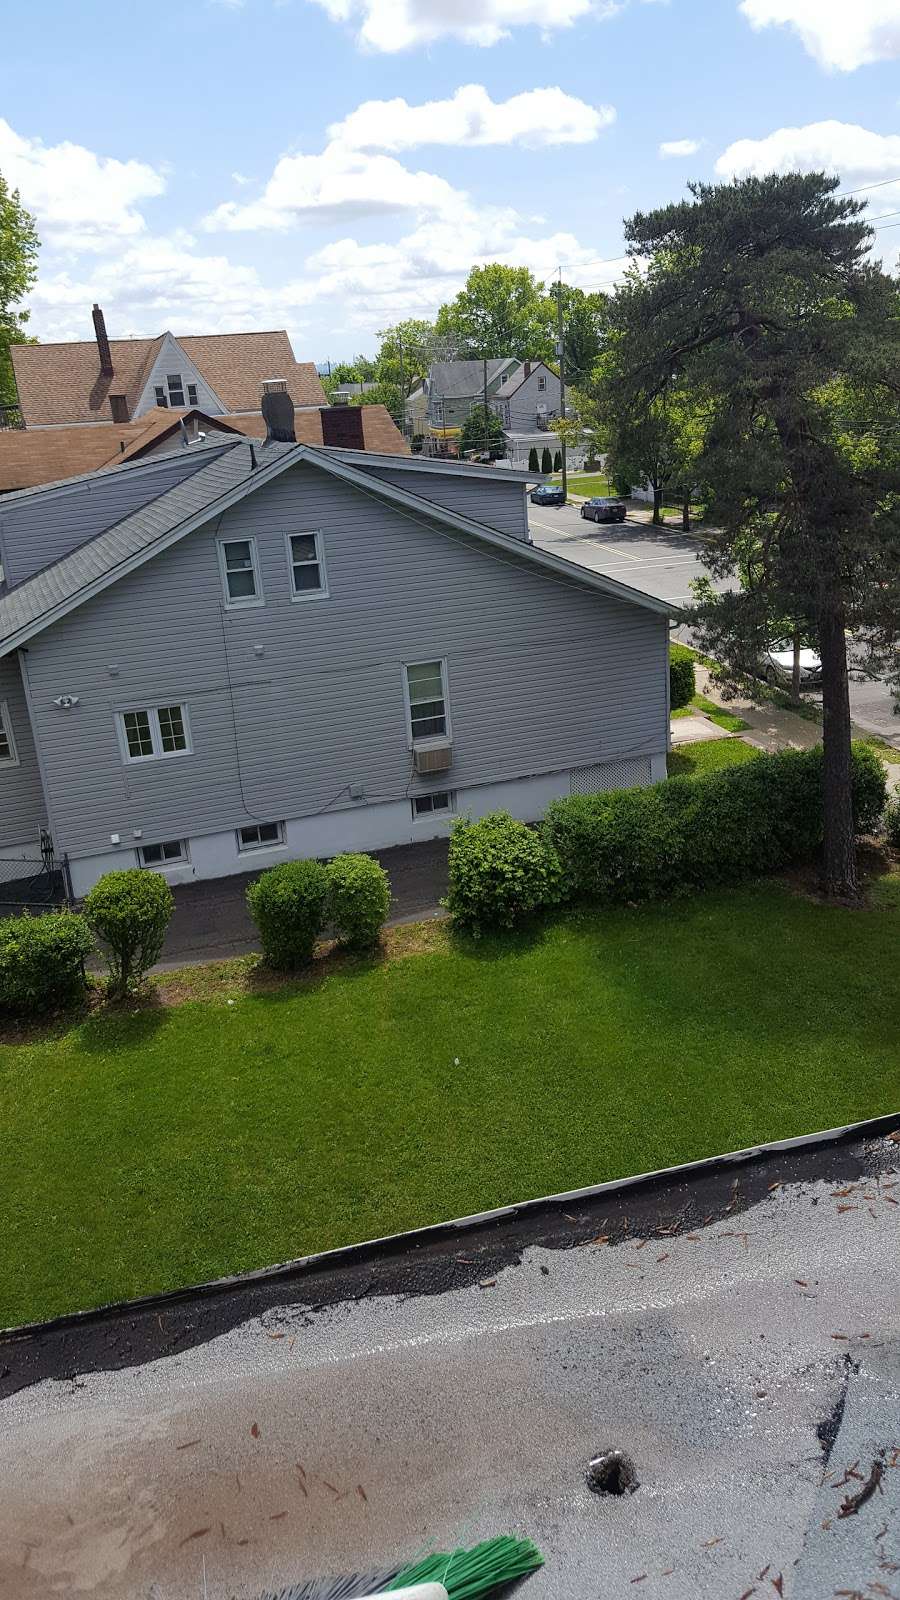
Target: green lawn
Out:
[587,483]
[694,760]
[175,1144]
[722,719]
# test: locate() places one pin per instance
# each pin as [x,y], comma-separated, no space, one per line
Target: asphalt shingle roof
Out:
[459,380]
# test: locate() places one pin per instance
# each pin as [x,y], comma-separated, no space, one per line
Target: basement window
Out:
[163,855]
[440,803]
[260,836]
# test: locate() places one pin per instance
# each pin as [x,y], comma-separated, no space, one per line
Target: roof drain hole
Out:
[612,1472]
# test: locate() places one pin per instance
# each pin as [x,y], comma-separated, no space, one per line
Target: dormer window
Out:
[175,388]
[503,379]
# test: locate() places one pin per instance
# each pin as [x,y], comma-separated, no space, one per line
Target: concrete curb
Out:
[415,1238]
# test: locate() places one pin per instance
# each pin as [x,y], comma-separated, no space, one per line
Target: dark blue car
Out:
[548,494]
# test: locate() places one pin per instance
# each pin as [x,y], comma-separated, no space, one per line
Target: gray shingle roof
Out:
[459,380]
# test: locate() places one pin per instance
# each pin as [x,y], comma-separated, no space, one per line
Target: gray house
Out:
[440,406]
[242,652]
[530,401]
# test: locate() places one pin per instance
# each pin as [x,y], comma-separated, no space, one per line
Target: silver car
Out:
[778,665]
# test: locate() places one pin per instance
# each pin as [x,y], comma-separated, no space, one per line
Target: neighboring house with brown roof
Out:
[33,456]
[105,380]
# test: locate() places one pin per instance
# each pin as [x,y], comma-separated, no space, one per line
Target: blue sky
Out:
[222,165]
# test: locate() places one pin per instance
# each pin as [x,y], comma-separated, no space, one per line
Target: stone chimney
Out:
[278,411]
[106,363]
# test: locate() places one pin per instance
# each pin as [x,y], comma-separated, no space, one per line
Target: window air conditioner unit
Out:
[432,758]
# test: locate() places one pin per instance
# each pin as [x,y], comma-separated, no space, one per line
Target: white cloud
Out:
[672,148]
[841,147]
[392,25]
[841,34]
[79,198]
[337,183]
[471,117]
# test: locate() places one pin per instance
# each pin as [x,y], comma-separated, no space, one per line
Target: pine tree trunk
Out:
[657,505]
[839,851]
[686,512]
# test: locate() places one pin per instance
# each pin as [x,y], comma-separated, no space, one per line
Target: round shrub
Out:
[129,912]
[892,824]
[287,903]
[359,895]
[42,961]
[682,683]
[869,779]
[501,872]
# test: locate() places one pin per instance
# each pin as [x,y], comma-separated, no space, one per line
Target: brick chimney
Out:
[527,366]
[106,363]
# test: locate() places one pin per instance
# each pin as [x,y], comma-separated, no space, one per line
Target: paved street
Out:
[664,561]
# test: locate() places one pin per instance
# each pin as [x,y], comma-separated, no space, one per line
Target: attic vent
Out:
[630,773]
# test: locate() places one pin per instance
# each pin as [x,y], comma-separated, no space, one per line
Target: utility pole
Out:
[402,386]
[561,354]
[484,403]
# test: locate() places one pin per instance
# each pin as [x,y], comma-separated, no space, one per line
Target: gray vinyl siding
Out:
[498,505]
[22,810]
[543,674]
[521,405]
[39,529]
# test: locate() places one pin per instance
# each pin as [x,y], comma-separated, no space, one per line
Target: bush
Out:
[546,460]
[42,961]
[129,912]
[533,460]
[501,872]
[287,903]
[693,833]
[359,896]
[892,824]
[557,461]
[682,682]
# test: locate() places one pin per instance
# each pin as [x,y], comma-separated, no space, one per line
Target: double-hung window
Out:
[8,754]
[151,733]
[192,394]
[426,700]
[306,560]
[159,391]
[542,384]
[176,388]
[239,562]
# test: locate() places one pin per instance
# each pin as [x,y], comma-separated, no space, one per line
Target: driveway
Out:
[211,921]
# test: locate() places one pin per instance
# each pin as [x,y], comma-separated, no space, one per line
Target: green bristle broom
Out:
[486,1569]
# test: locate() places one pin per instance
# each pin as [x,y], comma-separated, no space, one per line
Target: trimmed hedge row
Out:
[648,844]
[42,961]
[682,680]
[292,903]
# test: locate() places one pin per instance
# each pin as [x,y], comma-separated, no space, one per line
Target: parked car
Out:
[777,665]
[601,509]
[548,494]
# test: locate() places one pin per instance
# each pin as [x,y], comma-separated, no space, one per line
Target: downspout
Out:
[22,654]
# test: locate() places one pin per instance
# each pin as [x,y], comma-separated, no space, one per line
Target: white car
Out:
[778,665]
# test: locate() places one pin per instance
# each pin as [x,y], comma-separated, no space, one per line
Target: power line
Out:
[846,193]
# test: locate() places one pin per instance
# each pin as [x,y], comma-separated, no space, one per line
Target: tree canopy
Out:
[758,309]
[483,431]
[19,247]
[502,311]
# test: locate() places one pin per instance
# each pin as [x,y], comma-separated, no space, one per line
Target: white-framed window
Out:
[503,379]
[542,384]
[440,803]
[306,562]
[166,854]
[160,393]
[154,733]
[260,836]
[175,388]
[9,755]
[425,683]
[192,394]
[239,562]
